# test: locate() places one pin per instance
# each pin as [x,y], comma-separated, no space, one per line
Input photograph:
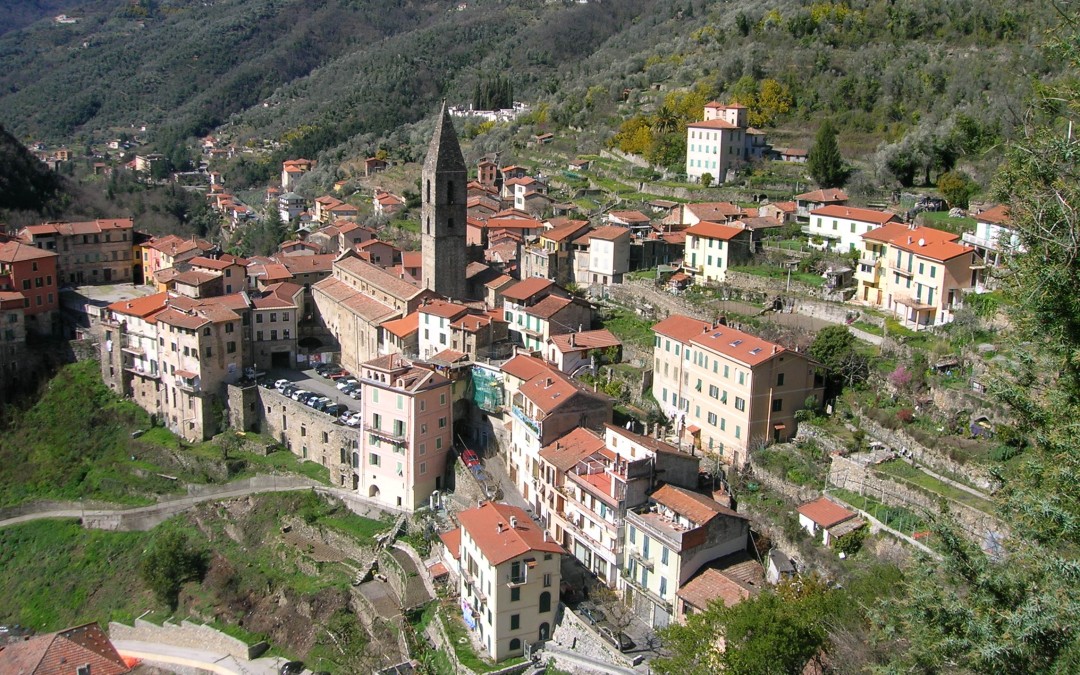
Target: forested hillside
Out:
[316,75]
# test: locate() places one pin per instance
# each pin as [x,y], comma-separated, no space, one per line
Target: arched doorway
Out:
[545,631]
[355,482]
[515,645]
[373,491]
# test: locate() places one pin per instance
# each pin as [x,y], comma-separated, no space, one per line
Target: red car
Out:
[338,374]
[470,458]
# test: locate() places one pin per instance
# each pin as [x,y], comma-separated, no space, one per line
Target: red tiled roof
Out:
[699,509]
[443,309]
[826,513]
[826,196]
[715,211]
[590,339]
[525,367]
[497,544]
[16,251]
[609,233]
[709,230]
[630,216]
[405,326]
[852,213]
[140,307]
[737,345]
[549,389]
[573,447]
[452,541]
[997,215]
[564,230]
[681,327]
[931,243]
[712,124]
[62,652]
[548,307]
[523,290]
[712,585]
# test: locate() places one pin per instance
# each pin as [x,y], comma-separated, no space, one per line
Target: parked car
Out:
[292,668]
[346,381]
[338,374]
[336,409]
[288,390]
[319,402]
[470,458]
[299,393]
[281,384]
[327,368]
[590,613]
[621,641]
[353,419]
[357,393]
[349,388]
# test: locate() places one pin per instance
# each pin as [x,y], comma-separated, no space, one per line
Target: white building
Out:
[510,578]
[840,228]
[719,143]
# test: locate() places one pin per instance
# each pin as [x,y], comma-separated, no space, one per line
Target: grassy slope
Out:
[75,443]
[55,574]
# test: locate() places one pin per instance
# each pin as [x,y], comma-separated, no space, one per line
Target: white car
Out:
[353,418]
[281,384]
[345,381]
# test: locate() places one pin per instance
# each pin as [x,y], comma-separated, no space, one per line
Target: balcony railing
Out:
[141,371]
[516,580]
[642,560]
[533,425]
[643,590]
[391,436]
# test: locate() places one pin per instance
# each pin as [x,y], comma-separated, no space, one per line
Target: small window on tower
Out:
[450,192]
[428,190]
[449,223]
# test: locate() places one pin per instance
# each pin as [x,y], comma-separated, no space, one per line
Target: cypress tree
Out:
[825,164]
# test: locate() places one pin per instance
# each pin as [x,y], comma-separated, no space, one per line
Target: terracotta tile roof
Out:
[278,296]
[16,251]
[196,278]
[709,230]
[886,232]
[630,216]
[609,233]
[564,230]
[786,207]
[211,263]
[681,327]
[712,124]
[173,245]
[270,271]
[452,541]
[852,213]
[566,452]
[696,508]
[62,652]
[399,288]
[449,356]
[443,309]
[512,223]
[737,345]
[403,327]
[523,290]
[827,196]
[501,544]
[438,570]
[82,227]
[927,242]
[714,211]
[548,307]
[550,389]
[589,339]
[412,258]
[308,264]
[470,323]
[997,215]
[825,513]
[499,281]
[712,585]
[525,367]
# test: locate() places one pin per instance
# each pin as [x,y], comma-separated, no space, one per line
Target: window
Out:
[545,602]
[229,327]
[373,459]
[442,422]
[742,377]
[740,403]
[273,317]
[633,534]
[663,587]
[423,468]
[515,594]
[777,404]
[258,335]
[780,380]
[209,351]
[258,318]
[714,391]
[738,432]
[273,334]
[712,419]
[664,555]
[547,580]
[515,621]
[230,347]
[515,644]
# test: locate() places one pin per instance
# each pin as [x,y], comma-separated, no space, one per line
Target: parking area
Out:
[310,380]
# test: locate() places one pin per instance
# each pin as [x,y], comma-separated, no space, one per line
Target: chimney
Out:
[499,527]
[513,522]
[545,536]
[775,349]
[573,343]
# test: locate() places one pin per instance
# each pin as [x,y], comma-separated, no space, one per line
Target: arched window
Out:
[449,192]
[545,602]
[515,645]
[428,190]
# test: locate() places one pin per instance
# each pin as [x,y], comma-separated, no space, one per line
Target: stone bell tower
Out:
[445,201]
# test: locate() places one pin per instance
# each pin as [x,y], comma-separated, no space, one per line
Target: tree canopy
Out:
[825,163]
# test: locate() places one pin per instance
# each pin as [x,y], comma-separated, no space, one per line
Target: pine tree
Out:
[825,163]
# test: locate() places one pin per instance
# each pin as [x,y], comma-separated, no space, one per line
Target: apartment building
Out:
[537,308]
[275,313]
[165,252]
[551,257]
[91,252]
[994,237]
[920,274]
[435,320]
[729,391]
[572,351]
[544,405]
[510,578]
[711,248]
[408,431]
[589,480]
[130,364]
[718,143]
[840,228]
[32,273]
[668,540]
[609,255]
[232,270]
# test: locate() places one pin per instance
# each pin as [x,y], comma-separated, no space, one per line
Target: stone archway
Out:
[373,492]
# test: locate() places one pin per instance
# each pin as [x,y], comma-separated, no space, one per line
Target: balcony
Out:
[517,580]
[188,381]
[474,586]
[642,560]
[899,269]
[532,424]
[132,345]
[632,581]
[141,371]
[396,436]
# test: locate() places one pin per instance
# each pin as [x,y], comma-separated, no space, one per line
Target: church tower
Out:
[445,202]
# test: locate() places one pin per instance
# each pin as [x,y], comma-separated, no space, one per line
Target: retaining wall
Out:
[187,635]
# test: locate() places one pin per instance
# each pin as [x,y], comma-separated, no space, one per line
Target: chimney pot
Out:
[499,527]
[513,522]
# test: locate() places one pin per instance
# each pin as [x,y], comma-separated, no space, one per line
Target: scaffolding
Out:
[488,391]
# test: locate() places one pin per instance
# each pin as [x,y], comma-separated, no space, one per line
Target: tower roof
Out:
[444,152]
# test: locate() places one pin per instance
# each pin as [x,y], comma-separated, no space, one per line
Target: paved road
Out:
[196,660]
[146,517]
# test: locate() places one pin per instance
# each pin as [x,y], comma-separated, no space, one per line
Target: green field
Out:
[900,469]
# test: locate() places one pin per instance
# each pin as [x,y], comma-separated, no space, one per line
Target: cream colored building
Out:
[919,274]
[718,143]
[510,578]
[728,391]
[840,228]
[609,255]
[667,541]
[711,248]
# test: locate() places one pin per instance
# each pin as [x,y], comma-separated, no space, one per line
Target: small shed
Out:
[832,519]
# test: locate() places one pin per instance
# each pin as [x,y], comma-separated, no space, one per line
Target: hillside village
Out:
[584,398]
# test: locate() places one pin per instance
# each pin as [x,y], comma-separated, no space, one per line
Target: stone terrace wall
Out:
[187,635]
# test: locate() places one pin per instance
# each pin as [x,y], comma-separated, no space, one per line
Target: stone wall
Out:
[798,494]
[898,439]
[308,433]
[850,475]
[395,574]
[187,635]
